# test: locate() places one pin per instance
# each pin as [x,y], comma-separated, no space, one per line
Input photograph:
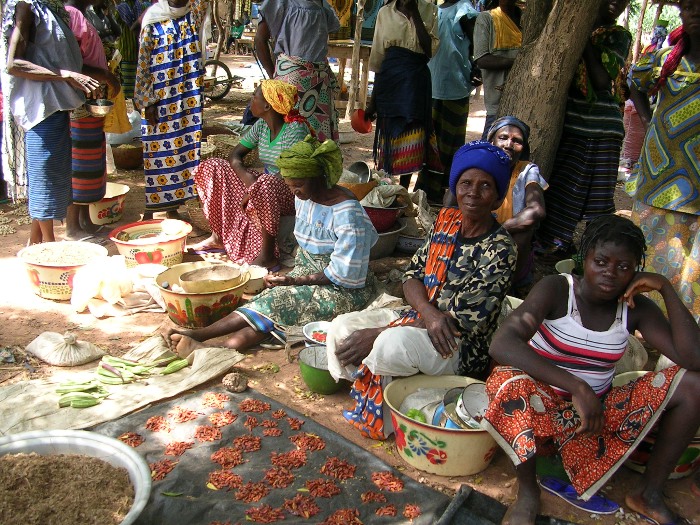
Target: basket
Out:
[128,156]
[197,217]
[206,151]
[224,145]
[359,190]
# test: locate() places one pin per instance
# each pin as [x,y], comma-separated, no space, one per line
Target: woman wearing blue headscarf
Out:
[455,285]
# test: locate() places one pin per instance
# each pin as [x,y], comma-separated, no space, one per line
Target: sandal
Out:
[597,504]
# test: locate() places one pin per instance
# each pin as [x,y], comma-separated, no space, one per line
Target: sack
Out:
[63,350]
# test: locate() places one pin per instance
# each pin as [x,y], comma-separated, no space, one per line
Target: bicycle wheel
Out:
[217,79]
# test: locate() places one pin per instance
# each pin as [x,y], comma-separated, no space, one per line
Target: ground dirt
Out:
[26,315]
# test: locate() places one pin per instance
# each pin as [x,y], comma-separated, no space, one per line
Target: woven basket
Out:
[206,151]
[197,217]
[128,156]
[359,190]
[224,145]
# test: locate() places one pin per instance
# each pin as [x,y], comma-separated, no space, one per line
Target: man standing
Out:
[497,41]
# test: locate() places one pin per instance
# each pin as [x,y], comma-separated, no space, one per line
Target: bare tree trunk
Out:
[626,18]
[539,81]
[659,8]
[535,18]
[222,34]
[638,38]
[355,61]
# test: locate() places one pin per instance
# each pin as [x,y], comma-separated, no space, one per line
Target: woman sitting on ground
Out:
[455,285]
[244,206]
[330,275]
[558,352]
[523,207]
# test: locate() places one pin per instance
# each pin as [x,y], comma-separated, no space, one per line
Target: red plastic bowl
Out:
[359,122]
[383,218]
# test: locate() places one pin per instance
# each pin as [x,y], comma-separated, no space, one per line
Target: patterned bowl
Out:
[197,310]
[159,241]
[383,218]
[441,451]
[52,265]
[110,208]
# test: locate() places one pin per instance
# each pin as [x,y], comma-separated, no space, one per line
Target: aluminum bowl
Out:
[99,107]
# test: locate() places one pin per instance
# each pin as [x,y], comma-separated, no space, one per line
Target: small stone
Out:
[165,285]
[235,382]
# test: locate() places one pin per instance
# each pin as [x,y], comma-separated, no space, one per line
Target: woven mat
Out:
[183,496]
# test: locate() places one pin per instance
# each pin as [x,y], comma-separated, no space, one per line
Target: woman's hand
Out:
[357,346]
[272,280]
[643,282]
[442,331]
[151,114]
[84,83]
[589,408]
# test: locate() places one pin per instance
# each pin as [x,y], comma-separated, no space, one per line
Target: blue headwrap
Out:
[485,156]
[512,121]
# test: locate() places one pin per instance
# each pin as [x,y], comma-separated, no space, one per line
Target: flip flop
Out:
[597,504]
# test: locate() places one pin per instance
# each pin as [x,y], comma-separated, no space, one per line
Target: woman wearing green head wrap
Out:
[330,275]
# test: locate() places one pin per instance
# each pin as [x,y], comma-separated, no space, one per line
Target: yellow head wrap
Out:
[309,158]
[280,95]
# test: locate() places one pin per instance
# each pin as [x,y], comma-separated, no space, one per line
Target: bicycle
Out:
[218,79]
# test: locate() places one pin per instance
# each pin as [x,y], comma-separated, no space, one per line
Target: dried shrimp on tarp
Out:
[386,510]
[207,433]
[225,479]
[268,423]
[132,439]
[411,511]
[385,480]
[279,414]
[251,492]
[247,443]
[292,459]
[272,432]
[302,506]
[250,423]
[373,496]
[322,488]
[264,514]
[158,424]
[343,517]
[161,468]
[182,415]
[338,468]
[215,400]
[222,419]
[227,457]
[308,441]
[254,405]
[279,477]
[178,448]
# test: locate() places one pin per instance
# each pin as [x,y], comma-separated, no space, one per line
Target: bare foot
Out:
[210,243]
[86,223]
[184,345]
[653,507]
[523,511]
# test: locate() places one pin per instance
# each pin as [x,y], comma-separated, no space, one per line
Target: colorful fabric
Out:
[582,186]
[450,125]
[486,157]
[258,136]
[507,34]
[240,227]
[673,250]
[128,13]
[89,162]
[48,147]
[317,87]
[91,48]
[282,96]
[310,158]
[668,174]
[342,231]
[284,306]
[587,354]
[127,74]
[169,76]
[523,411]
[524,173]
[468,278]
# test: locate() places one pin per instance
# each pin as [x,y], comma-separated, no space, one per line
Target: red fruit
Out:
[149,257]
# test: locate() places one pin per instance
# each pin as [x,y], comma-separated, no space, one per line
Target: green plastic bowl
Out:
[313,365]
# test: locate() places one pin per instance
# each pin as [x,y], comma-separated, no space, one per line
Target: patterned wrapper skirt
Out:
[89,161]
[673,250]
[127,71]
[238,227]
[273,309]
[317,88]
[523,411]
[48,147]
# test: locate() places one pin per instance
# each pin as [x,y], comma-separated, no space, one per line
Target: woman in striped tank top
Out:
[558,352]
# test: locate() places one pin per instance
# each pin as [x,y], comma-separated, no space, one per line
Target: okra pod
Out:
[175,366]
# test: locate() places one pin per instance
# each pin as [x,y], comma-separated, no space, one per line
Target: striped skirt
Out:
[127,70]
[48,154]
[317,88]
[89,161]
[582,186]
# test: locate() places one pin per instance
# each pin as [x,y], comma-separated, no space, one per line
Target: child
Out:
[236,33]
[558,352]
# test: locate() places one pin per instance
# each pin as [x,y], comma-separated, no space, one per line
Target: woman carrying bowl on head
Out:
[243,206]
[455,285]
[523,206]
[331,272]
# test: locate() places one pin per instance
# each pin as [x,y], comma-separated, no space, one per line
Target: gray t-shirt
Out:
[300,27]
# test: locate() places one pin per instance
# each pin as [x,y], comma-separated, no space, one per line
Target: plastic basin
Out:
[313,365]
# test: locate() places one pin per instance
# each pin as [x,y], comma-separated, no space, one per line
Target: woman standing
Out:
[451,74]
[331,271]
[299,29]
[129,18]
[405,38]
[168,94]
[243,206]
[87,132]
[583,180]
[666,183]
[43,83]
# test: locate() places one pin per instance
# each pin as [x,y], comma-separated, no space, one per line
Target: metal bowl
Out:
[99,107]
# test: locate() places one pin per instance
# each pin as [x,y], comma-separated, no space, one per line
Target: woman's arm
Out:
[262,48]
[441,326]
[18,66]
[510,347]
[144,97]
[410,9]
[533,212]
[598,75]
[641,104]
[236,161]
[676,337]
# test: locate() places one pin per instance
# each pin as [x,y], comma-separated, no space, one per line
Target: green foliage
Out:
[669,13]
